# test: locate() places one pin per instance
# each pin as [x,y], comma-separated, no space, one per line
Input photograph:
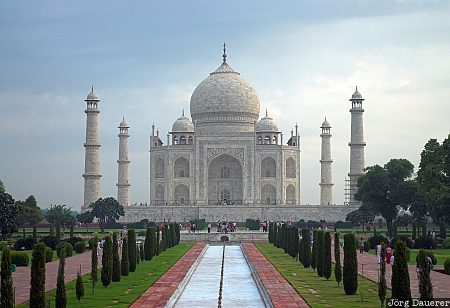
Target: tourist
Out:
[361,245]
[389,255]
[209,227]
[391,260]
[378,248]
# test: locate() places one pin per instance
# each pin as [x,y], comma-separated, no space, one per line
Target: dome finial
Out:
[266,112]
[182,112]
[123,118]
[356,88]
[224,52]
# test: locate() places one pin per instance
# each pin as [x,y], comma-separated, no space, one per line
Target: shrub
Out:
[425,286]
[80,247]
[125,264]
[447,266]
[382,286]
[400,281]
[107,262]
[19,258]
[343,225]
[320,253]
[50,241]
[3,245]
[132,249]
[337,258]
[200,224]
[148,244]
[6,285]
[37,281]
[94,263]
[446,243]
[79,287]
[48,254]
[252,224]
[314,251]
[408,254]
[327,256]
[115,258]
[408,242]
[374,240]
[425,242]
[141,233]
[73,240]
[350,265]
[61,296]
[67,246]
[366,246]
[26,243]
[306,248]
[429,254]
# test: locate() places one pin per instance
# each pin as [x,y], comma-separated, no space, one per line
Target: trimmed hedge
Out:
[19,258]
[425,242]
[350,265]
[3,245]
[48,254]
[50,241]
[374,240]
[447,266]
[80,247]
[429,254]
[67,246]
[408,242]
[27,243]
[73,240]
[252,224]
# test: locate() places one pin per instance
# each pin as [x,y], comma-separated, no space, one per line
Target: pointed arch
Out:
[159,194]
[268,194]
[181,168]
[181,194]
[291,170]
[290,194]
[159,168]
[268,168]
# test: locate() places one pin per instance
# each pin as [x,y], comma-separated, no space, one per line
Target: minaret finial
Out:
[224,52]
[266,112]
[356,88]
[92,89]
[123,118]
[182,112]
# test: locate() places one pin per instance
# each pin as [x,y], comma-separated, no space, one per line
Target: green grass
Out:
[319,292]
[125,292]
[441,255]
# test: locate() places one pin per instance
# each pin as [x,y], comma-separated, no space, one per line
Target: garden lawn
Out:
[318,292]
[125,292]
[441,254]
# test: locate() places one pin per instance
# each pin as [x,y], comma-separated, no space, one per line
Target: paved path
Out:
[280,291]
[441,282]
[21,278]
[160,292]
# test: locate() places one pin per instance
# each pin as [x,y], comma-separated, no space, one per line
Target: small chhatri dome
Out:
[267,124]
[183,125]
[356,95]
[123,124]
[325,124]
[92,96]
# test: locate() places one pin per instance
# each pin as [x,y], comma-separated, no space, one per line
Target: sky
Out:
[145,58]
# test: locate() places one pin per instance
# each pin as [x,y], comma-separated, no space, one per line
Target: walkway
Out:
[280,291]
[21,278]
[368,267]
[160,292]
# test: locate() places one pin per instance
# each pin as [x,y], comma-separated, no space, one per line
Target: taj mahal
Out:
[225,163]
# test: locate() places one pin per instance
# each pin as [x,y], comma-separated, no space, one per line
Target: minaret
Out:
[92,160]
[123,183]
[356,144]
[326,177]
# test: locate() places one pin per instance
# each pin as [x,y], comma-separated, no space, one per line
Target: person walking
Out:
[379,253]
[361,245]
[389,255]
[209,227]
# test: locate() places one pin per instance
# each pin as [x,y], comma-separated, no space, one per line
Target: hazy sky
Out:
[145,58]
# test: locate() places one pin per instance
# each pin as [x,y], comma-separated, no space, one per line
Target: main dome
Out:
[224,97]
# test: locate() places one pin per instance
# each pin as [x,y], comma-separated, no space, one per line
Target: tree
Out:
[148,249]
[320,253]
[360,217]
[314,251]
[94,264]
[382,286]
[106,210]
[116,262]
[166,236]
[79,287]
[306,248]
[59,215]
[125,263]
[157,251]
[404,220]
[132,249]
[141,251]
[37,281]
[6,284]
[337,259]
[61,298]
[350,265]
[400,276]
[28,212]
[85,219]
[425,285]
[107,262]
[327,256]
[8,213]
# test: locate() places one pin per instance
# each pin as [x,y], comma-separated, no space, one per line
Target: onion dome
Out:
[123,124]
[356,95]
[325,124]
[183,125]
[92,96]
[224,97]
[266,124]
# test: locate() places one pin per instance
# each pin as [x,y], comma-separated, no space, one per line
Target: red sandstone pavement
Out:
[21,278]
[369,267]
[160,292]
[280,291]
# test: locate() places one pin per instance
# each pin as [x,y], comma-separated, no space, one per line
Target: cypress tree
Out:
[275,236]
[141,252]
[166,236]
[270,234]
[107,262]
[285,238]
[157,250]
[382,286]
[174,234]
[132,249]
[94,264]
[320,253]
[414,231]
[177,229]
[162,245]
[350,265]
[295,241]
[400,276]
[327,256]
[337,259]
[314,251]
[116,261]
[124,264]
[306,248]
[79,287]
[138,258]
[35,234]
[148,244]
[61,298]
[37,282]
[6,284]
[301,254]
[425,286]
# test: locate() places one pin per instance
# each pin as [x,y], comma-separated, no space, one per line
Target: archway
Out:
[290,168]
[159,168]
[268,168]
[290,194]
[181,168]
[181,194]
[159,194]
[268,194]
[225,180]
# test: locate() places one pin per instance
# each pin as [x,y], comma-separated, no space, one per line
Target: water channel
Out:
[201,287]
